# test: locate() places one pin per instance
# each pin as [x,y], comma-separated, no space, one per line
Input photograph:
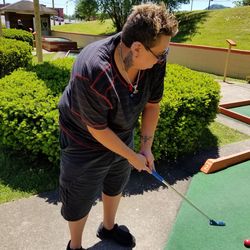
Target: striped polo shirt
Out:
[98,96]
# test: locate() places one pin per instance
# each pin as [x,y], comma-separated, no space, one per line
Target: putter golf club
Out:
[211,221]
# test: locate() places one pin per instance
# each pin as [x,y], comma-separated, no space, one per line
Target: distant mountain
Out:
[217,6]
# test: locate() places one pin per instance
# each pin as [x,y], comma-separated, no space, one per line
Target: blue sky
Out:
[69,5]
[202,4]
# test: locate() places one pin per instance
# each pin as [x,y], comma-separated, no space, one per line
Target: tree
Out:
[173,4]
[246,2]
[118,10]
[86,9]
[242,3]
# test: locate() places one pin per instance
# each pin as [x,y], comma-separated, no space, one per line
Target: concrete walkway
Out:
[234,93]
[148,209]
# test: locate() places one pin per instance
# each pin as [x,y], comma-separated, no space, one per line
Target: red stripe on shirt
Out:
[85,121]
[77,141]
[93,84]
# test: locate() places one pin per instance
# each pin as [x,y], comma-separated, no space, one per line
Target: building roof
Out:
[27,7]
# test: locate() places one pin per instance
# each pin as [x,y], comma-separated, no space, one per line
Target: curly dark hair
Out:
[146,23]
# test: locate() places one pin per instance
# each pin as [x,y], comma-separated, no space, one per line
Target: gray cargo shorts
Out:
[84,174]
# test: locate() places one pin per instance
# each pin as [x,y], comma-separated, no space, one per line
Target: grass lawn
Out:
[46,57]
[228,79]
[91,27]
[213,27]
[210,28]
[218,134]
[20,177]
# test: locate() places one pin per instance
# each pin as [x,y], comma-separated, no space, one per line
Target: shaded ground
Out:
[188,25]
[148,209]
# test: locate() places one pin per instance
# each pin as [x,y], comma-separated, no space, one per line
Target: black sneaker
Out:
[116,234]
[68,247]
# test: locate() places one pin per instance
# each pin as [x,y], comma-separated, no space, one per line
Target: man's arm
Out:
[111,141]
[150,117]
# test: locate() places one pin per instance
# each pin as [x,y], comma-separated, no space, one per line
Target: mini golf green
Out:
[237,110]
[56,39]
[73,54]
[224,195]
[243,110]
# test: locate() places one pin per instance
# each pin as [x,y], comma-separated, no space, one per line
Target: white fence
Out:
[211,59]
[201,58]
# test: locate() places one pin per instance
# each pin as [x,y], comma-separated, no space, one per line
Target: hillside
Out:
[213,27]
[208,27]
[90,27]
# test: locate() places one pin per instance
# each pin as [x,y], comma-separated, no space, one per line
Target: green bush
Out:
[28,115]
[13,55]
[55,73]
[189,105]
[21,35]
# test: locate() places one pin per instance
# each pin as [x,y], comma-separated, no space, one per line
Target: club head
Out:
[217,223]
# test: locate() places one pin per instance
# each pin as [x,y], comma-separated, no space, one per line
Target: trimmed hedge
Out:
[189,105]
[55,73]
[21,35]
[13,55]
[29,116]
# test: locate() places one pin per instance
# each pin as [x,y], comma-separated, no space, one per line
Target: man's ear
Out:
[136,48]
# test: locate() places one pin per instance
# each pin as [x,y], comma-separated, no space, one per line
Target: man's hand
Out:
[139,161]
[149,158]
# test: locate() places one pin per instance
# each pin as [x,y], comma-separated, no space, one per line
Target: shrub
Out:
[55,73]
[189,105]
[21,35]
[13,55]
[28,115]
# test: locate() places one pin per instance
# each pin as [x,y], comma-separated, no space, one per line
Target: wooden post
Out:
[231,43]
[53,6]
[192,1]
[38,33]
[209,3]
[1,30]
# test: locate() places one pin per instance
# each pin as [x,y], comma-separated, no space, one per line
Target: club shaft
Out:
[188,201]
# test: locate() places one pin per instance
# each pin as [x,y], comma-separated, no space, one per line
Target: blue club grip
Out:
[157,176]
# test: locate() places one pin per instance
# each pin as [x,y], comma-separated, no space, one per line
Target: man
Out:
[20,25]
[113,81]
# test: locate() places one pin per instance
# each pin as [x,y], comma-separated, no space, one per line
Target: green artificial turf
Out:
[243,110]
[225,196]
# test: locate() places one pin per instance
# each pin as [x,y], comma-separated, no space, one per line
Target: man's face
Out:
[146,58]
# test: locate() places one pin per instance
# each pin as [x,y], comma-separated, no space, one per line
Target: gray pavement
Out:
[148,209]
[233,92]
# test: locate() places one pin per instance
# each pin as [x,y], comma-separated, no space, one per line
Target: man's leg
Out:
[110,206]
[108,229]
[76,230]
[113,186]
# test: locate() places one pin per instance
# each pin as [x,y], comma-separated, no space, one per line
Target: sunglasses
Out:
[160,57]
